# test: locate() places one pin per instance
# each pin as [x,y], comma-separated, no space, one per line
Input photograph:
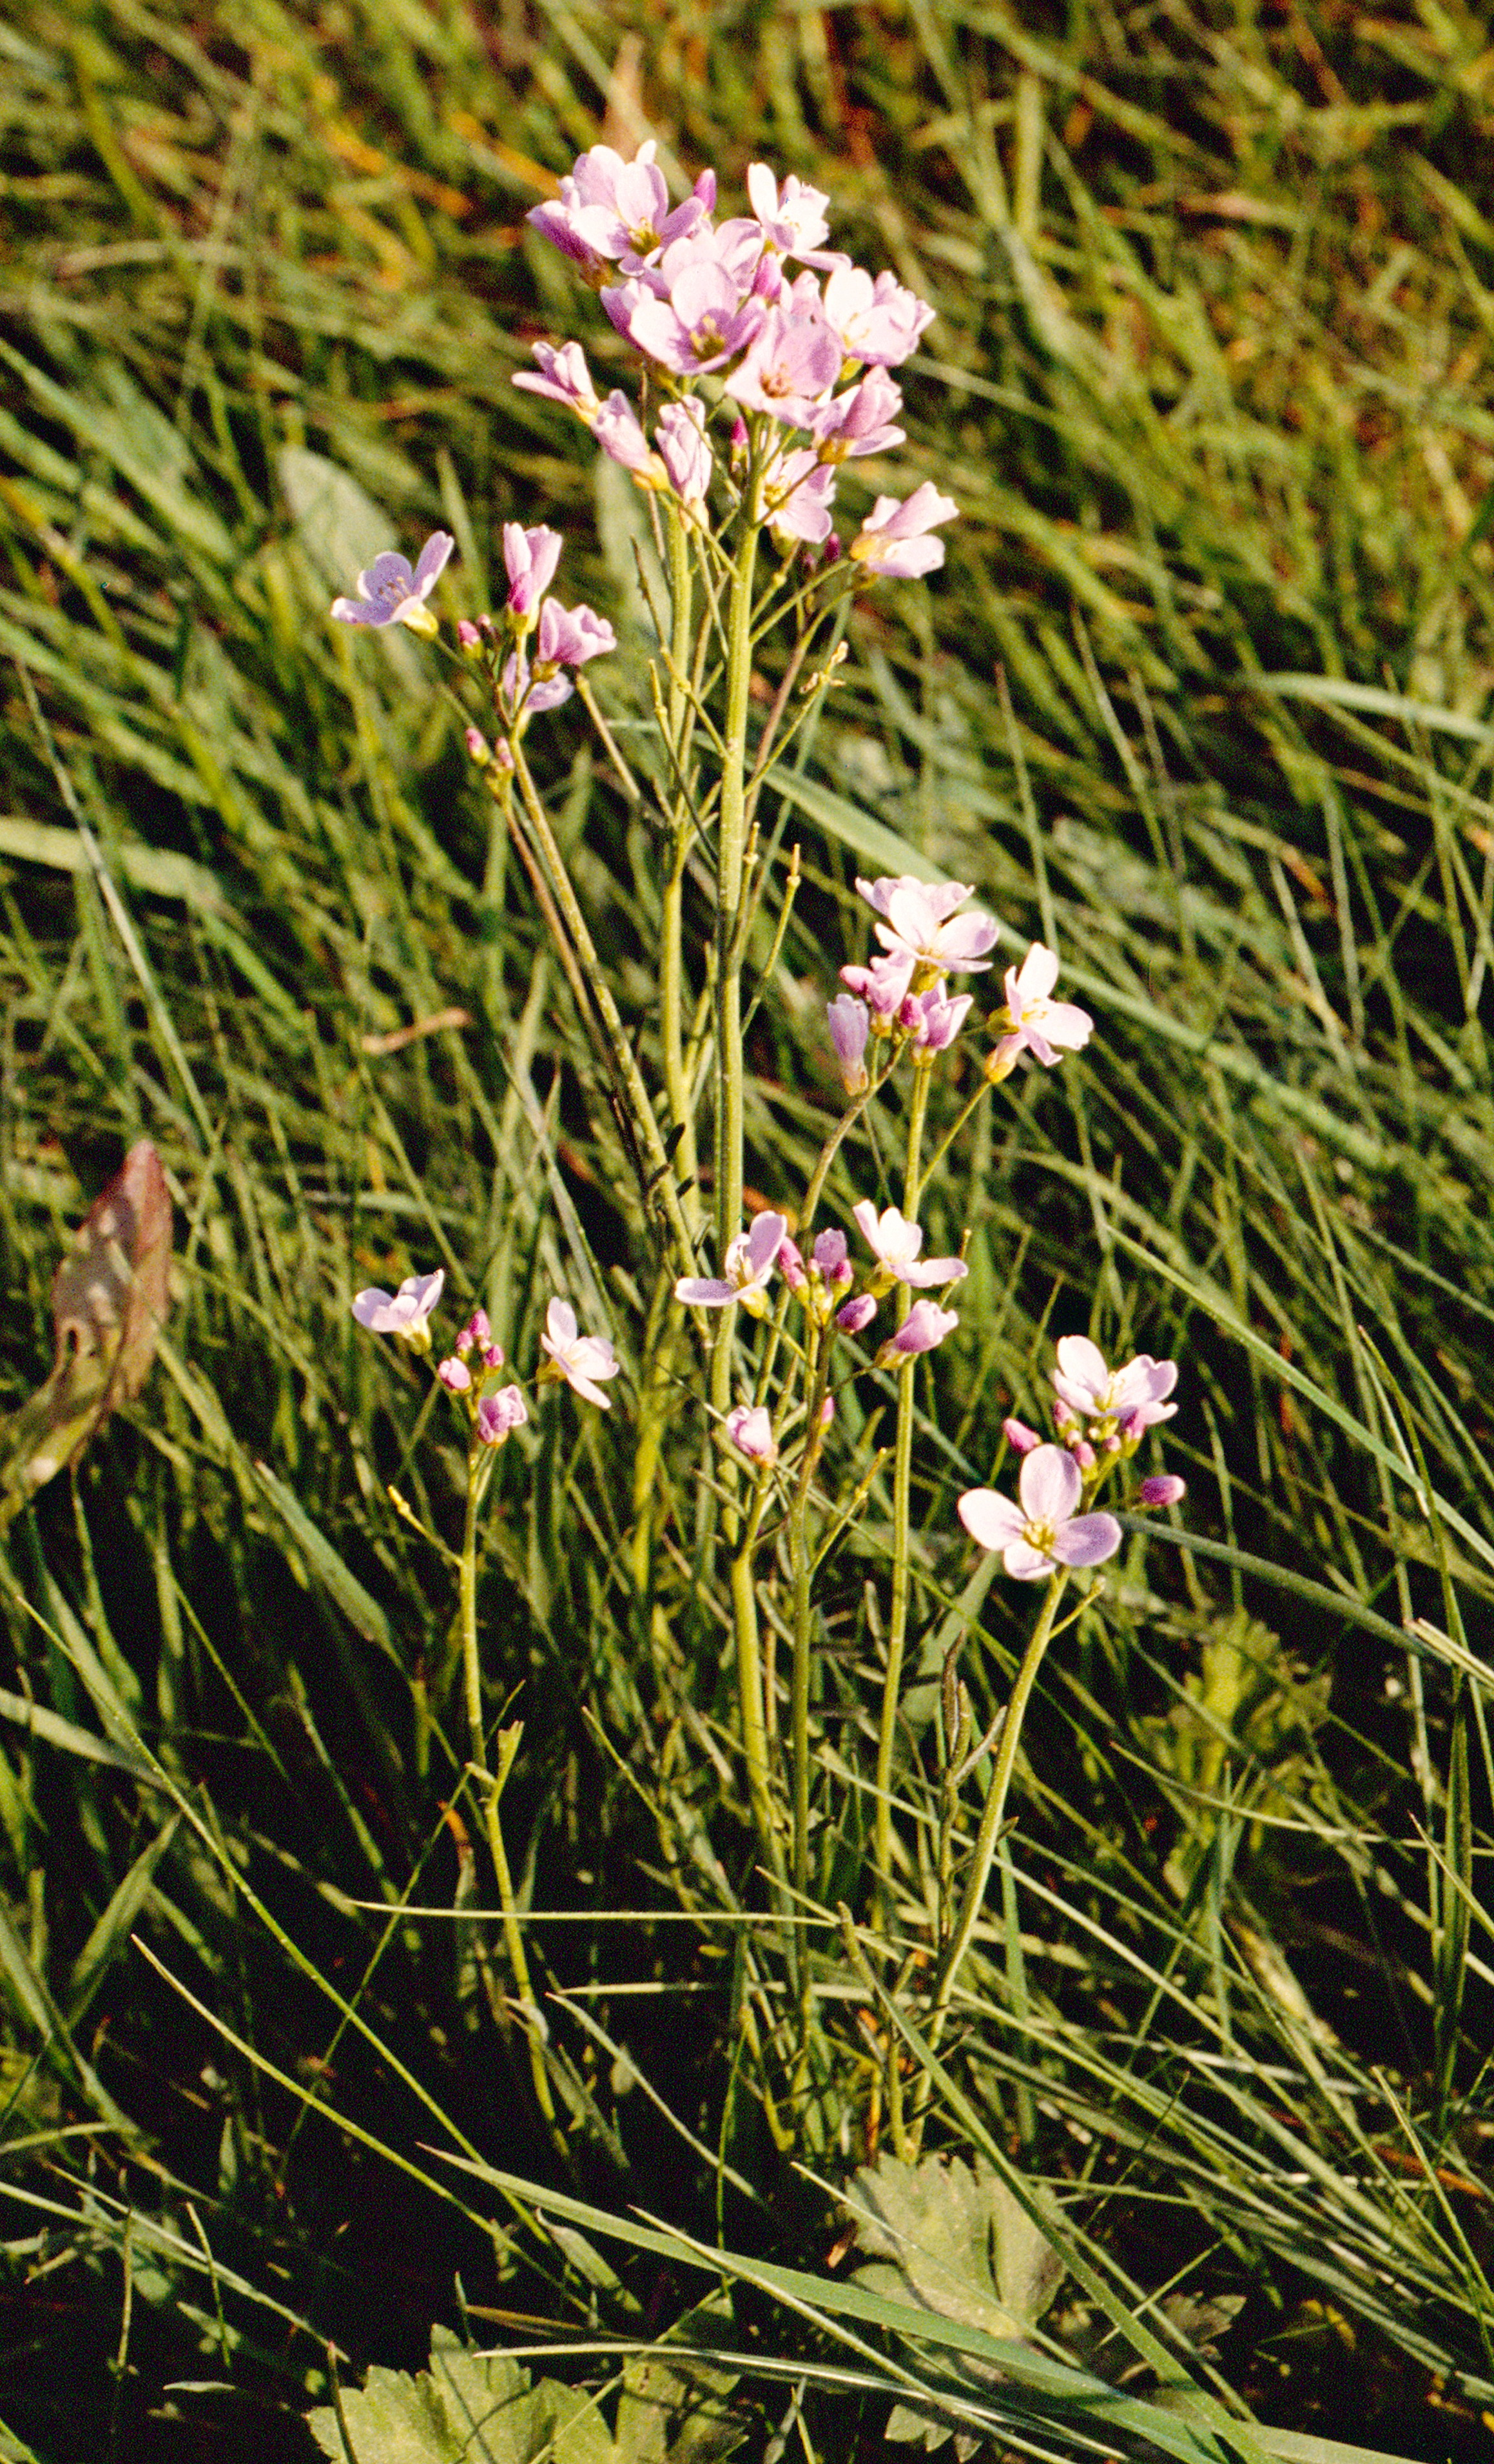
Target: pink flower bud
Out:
[493,1355]
[827,1411]
[856,1313]
[468,635]
[477,745]
[475,1333]
[1082,1453]
[454,1375]
[791,1259]
[1163,1489]
[1019,1436]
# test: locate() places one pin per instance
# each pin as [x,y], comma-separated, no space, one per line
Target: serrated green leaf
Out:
[954,2241]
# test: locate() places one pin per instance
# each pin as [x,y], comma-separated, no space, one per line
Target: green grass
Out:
[1204,697]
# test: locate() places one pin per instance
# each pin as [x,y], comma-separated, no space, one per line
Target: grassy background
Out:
[1208,381]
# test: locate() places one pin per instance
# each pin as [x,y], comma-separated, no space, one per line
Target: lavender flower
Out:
[751,1433]
[1038,1023]
[1132,1399]
[832,1257]
[919,926]
[500,1413]
[534,695]
[792,218]
[700,324]
[876,320]
[618,433]
[683,449]
[406,1313]
[893,541]
[608,209]
[748,1263]
[791,364]
[859,422]
[850,1023]
[1043,1533]
[531,557]
[565,377]
[925,1327]
[569,636]
[896,1242]
[797,496]
[932,1020]
[883,985]
[392,592]
[581,1360]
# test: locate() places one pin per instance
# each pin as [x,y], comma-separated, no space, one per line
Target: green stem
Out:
[901,1492]
[990,1831]
[801,1565]
[479,1470]
[672,971]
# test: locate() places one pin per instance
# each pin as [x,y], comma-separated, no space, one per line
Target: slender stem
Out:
[478,1473]
[902,1492]
[672,972]
[989,1832]
[801,1565]
[731,845]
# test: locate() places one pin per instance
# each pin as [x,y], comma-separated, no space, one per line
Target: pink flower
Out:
[748,1263]
[792,218]
[391,592]
[500,1413]
[468,635]
[1038,1023]
[703,323]
[751,1433]
[933,1020]
[875,320]
[896,1242]
[857,1313]
[850,1023]
[534,693]
[1044,1531]
[565,377]
[617,431]
[454,1375]
[893,539]
[1163,1489]
[920,927]
[832,1257]
[860,421]
[791,364]
[683,449]
[608,208]
[570,636]
[406,1313]
[797,495]
[531,557]
[884,986]
[943,896]
[581,1360]
[925,1327]
[1133,1397]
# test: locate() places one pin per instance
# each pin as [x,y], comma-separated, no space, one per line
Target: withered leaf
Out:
[109,1300]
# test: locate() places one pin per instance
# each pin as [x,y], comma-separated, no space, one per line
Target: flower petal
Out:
[989,1518]
[1024,1562]
[1082,1366]
[1049,1484]
[1086,1540]
[1039,972]
[704,1291]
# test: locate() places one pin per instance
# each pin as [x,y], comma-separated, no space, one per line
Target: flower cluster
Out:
[801,353]
[1102,1415]
[470,1370]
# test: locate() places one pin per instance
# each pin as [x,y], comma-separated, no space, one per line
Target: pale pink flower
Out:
[792,217]
[1043,1532]
[850,1023]
[581,1360]
[791,364]
[896,1242]
[703,323]
[617,431]
[920,927]
[570,636]
[883,985]
[536,694]
[932,1020]
[894,540]
[531,557]
[454,1375]
[797,495]
[747,1265]
[563,377]
[393,592]
[404,1313]
[751,1432]
[1039,1024]
[876,320]
[497,1415]
[859,422]
[925,1327]
[1163,1489]
[608,209]
[685,449]
[1133,1397]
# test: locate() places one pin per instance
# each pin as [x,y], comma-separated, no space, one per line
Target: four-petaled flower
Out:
[921,925]
[581,1360]
[1133,1397]
[531,557]
[749,1262]
[925,1327]
[896,1243]
[498,1414]
[1043,1533]
[406,1313]
[394,592]
[894,540]
[563,377]
[1038,1024]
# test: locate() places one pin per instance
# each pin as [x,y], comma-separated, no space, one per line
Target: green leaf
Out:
[954,2241]
[672,2411]
[468,2409]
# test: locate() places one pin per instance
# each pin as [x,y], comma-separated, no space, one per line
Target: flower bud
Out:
[1163,1489]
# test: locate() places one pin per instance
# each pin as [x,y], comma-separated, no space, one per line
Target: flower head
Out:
[531,557]
[896,1242]
[791,364]
[751,1433]
[699,323]
[1132,1399]
[850,1023]
[798,492]
[563,377]
[877,320]
[894,540]
[581,1360]
[500,1413]
[683,449]
[393,592]
[922,1329]
[792,217]
[932,1020]
[748,1263]
[859,422]
[404,1313]
[1044,1531]
[535,693]
[1038,1023]
[570,636]
[919,926]
[608,209]
[883,985]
